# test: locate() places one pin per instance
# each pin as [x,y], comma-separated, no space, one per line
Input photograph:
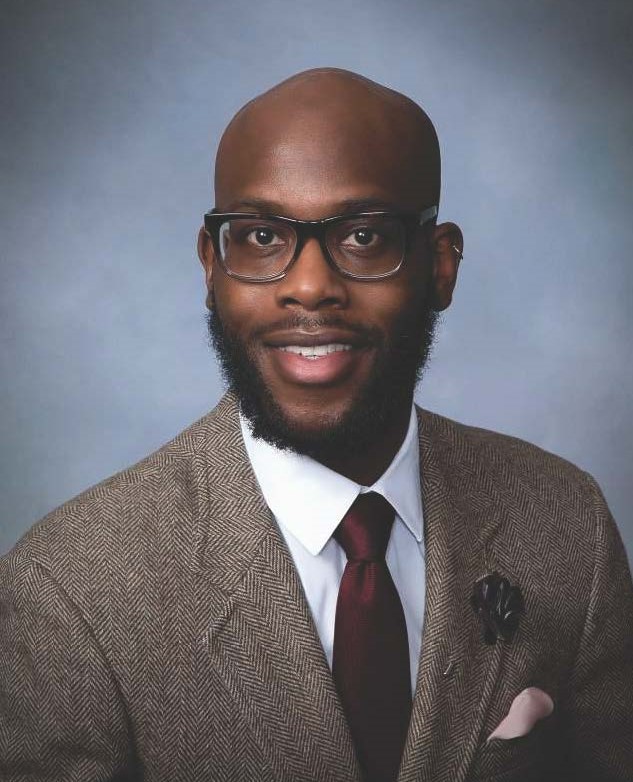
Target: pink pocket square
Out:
[526,710]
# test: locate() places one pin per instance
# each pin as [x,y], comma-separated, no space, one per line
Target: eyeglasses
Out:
[262,248]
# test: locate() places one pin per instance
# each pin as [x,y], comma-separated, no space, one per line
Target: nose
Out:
[311,283]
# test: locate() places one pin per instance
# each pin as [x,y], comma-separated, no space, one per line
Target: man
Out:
[319,580]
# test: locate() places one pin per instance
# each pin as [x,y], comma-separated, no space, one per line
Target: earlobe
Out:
[448,244]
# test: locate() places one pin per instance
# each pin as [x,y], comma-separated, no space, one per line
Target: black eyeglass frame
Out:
[308,229]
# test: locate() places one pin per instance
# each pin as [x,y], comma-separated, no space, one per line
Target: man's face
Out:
[310,169]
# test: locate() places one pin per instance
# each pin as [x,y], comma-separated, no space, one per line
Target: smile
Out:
[329,363]
[315,351]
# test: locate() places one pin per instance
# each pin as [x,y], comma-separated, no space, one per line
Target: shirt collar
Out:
[309,499]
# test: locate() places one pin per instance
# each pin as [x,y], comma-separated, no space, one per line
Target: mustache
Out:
[303,322]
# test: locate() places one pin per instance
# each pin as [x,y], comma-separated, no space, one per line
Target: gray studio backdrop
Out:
[111,112]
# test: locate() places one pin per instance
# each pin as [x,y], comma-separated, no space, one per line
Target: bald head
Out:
[323,136]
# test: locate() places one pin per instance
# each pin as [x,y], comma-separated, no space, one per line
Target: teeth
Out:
[315,351]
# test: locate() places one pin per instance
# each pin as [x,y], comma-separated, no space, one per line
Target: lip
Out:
[279,339]
[331,369]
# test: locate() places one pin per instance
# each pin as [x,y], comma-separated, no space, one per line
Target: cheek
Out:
[241,306]
[389,302]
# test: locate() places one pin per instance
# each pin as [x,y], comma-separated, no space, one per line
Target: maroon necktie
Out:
[371,651]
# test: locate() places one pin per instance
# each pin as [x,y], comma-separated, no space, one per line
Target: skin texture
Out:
[323,143]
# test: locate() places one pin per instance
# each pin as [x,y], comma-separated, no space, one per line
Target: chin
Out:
[315,414]
[322,432]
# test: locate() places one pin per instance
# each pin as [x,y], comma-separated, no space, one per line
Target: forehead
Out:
[309,158]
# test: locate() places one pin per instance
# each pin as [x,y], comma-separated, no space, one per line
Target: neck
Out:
[368,465]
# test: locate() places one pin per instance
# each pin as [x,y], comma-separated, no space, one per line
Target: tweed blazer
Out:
[154,627]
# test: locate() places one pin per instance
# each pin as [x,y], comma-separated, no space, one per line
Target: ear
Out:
[448,246]
[206,255]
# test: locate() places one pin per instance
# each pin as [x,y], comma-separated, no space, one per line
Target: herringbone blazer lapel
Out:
[457,671]
[256,625]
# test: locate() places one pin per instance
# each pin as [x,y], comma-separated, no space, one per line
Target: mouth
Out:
[325,357]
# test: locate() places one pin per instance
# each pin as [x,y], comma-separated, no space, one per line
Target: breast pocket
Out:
[512,760]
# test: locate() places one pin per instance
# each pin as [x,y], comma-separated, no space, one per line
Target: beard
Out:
[400,359]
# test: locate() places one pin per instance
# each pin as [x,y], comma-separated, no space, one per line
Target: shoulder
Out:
[487,453]
[540,501]
[149,505]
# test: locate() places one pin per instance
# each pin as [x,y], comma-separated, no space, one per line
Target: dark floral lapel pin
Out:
[498,605]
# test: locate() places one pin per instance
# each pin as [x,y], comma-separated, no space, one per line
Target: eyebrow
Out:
[348,206]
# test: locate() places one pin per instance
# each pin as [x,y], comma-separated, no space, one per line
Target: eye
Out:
[262,236]
[363,236]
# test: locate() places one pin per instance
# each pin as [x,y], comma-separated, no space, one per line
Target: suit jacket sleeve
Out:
[61,715]
[601,687]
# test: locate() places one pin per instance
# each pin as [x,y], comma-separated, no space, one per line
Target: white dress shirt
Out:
[308,500]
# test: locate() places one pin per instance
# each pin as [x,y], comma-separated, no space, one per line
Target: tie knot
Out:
[364,531]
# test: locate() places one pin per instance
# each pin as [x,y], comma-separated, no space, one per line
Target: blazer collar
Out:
[233,519]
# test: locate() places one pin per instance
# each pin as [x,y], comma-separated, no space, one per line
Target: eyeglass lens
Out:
[362,246]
